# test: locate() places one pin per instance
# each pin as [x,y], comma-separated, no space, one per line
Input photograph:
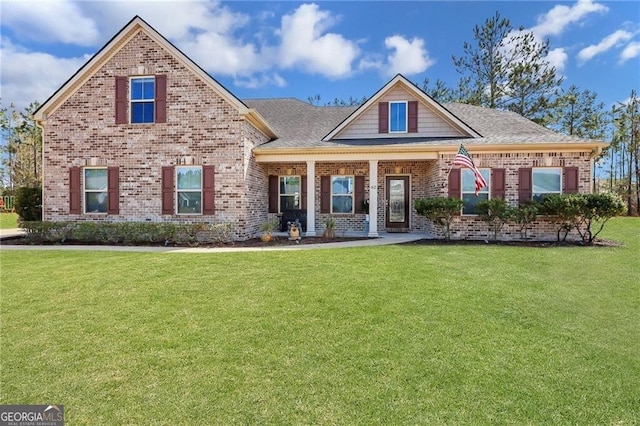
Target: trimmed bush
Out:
[496,212]
[439,210]
[28,204]
[524,215]
[128,233]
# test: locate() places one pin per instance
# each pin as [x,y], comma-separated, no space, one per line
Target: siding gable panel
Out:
[427,123]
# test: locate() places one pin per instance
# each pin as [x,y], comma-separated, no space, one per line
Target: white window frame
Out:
[85,191]
[485,190]
[132,101]
[533,174]
[352,194]
[295,195]
[406,116]
[178,191]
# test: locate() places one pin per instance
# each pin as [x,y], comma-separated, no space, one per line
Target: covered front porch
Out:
[372,197]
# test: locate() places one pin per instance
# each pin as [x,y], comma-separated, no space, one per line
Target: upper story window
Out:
[95,190]
[397,117]
[142,97]
[468,186]
[290,191]
[189,189]
[545,181]
[342,191]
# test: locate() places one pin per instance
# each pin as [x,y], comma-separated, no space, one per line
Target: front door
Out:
[397,203]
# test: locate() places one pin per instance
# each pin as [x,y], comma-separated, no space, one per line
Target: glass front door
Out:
[397,202]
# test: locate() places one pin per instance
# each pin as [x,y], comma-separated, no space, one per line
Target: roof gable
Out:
[113,46]
[435,120]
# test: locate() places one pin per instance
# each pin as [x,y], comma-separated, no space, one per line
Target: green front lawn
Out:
[382,335]
[8,220]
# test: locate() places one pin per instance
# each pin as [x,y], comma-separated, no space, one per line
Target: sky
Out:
[334,49]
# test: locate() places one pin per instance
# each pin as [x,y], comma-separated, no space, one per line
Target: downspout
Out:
[40,125]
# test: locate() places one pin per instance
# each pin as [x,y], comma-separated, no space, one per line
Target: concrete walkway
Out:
[384,239]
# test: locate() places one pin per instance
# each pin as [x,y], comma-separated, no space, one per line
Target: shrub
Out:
[597,209]
[566,209]
[28,204]
[586,213]
[127,232]
[496,212]
[439,210]
[524,215]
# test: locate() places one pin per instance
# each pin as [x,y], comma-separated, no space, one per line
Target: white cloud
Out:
[50,21]
[176,20]
[605,44]
[32,76]
[559,17]
[219,54]
[558,58]
[632,50]
[306,44]
[408,56]
[254,82]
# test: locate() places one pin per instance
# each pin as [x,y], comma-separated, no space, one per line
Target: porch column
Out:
[311,199]
[373,198]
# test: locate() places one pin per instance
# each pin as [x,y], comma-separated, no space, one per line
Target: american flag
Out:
[463,159]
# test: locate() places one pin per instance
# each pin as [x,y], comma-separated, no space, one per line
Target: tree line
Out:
[509,69]
[502,67]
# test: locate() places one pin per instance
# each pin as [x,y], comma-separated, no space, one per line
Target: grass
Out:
[381,335]
[8,220]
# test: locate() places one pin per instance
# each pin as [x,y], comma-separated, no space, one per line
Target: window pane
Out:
[289,202]
[289,184]
[546,180]
[95,202]
[189,178]
[471,202]
[95,179]
[398,117]
[142,88]
[189,202]
[469,181]
[342,185]
[142,112]
[342,204]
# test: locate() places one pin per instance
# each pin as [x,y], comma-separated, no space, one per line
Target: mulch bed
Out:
[597,243]
[253,242]
[284,241]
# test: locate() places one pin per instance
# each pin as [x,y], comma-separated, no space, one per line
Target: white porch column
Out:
[311,199]
[373,198]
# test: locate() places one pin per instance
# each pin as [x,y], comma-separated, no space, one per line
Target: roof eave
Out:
[594,147]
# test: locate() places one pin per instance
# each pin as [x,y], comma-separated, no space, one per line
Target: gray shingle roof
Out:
[300,124]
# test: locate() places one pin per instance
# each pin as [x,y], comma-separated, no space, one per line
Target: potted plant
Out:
[329,231]
[267,228]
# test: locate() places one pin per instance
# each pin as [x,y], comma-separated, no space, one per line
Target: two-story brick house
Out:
[142,133]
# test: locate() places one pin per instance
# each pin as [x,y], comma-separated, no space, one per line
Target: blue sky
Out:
[333,49]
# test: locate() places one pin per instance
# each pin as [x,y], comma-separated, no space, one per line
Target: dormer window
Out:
[397,117]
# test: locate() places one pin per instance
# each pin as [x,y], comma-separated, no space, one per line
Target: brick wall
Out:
[471,227]
[201,128]
[429,179]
